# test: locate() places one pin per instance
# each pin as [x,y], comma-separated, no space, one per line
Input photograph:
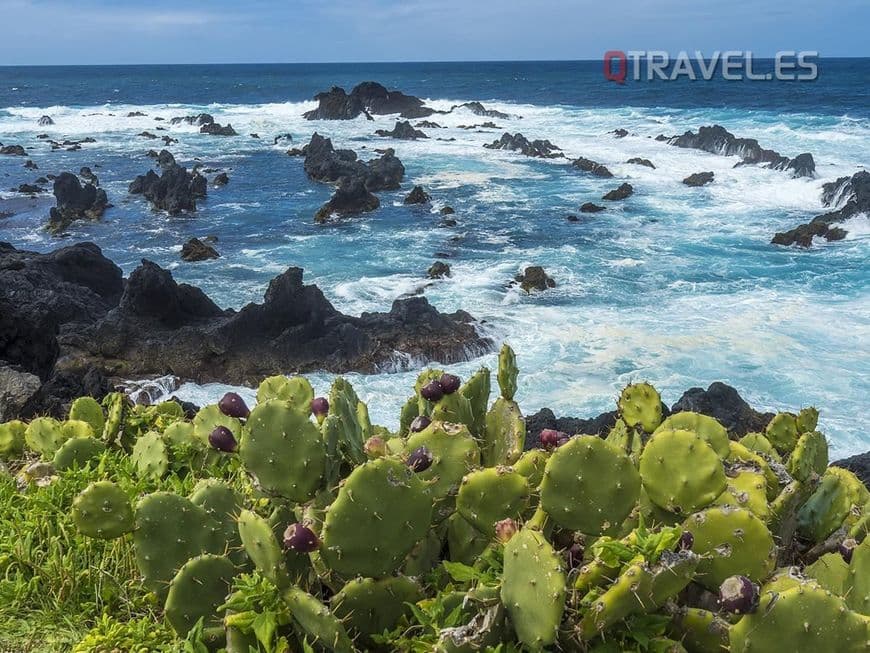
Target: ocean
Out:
[678,286]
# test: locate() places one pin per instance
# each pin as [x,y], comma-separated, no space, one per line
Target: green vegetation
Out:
[290,528]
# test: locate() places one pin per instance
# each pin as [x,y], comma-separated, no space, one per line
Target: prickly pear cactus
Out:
[223,504]
[77,452]
[369,607]
[504,434]
[103,510]
[507,372]
[44,435]
[208,419]
[318,624]
[857,585]
[169,531]
[826,509]
[699,630]
[681,472]
[626,440]
[746,488]
[641,405]
[12,438]
[759,443]
[410,410]
[284,450]
[295,390]
[454,454]
[804,619]
[532,464]
[262,548]
[589,486]
[831,572]
[731,541]
[150,456]
[741,456]
[810,456]
[477,389]
[344,405]
[197,591]
[464,541]
[533,588]
[454,409]
[626,596]
[489,495]
[382,510]
[88,409]
[782,431]
[708,428]
[807,420]
[116,405]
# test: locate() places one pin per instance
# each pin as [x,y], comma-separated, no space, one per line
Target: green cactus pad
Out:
[295,390]
[369,607]
[317,622]
[810,456]
[532,465]
[263,548]
[88,409]
[102,510]
[782,431]
[208,419]
[464,541]
[424,406]
[343,405]
[628,595]
[641,405]
[45,435]
[746,488]
[803,619]
[589,486]
[223,504]
[742,455]
[150,455]
[825,510]
[731,541]
[681,472]
[857,586]
[116,405]
[12,438]
[76,428]
[197,591]
[382,510]
[533,588]
[425,555]
[284,450]
[807,420]
[831,572]
[504,434]
[699,630]
[454,454]
[477,389]
[670,576]
[759,443]
[708,428]
[169,531]
[491,494]
[410,410]
[453,409]
[625,439]
[507,372]
[77,452]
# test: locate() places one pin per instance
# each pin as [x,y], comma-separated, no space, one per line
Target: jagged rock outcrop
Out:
[534,278]
[75,202]
[697,179]
[216,129]
[590,207]
[195,250]
[402,131]
[850,194]
[718,140]
[641,162]
[350,198]
[479,110]
[417,196]
[543,149]
[592,167]
[624,191]
[365,99]
[175,190]
[324,163]
[12,150]
[438,270]
[199,119]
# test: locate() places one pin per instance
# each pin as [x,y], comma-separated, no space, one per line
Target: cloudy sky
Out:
[168,31]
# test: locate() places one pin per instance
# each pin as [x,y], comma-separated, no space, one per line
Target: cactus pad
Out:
[681,472]
[44,435]
[759,443]
[782,432]
[382,510]
[370,607]
[150,455]
[731,541]
[810,456]
[807,420]
[507,372]
[12,438]
[88,409]
[476,389]
[831,572]
[589,485]
[533,588]
[491,494]
[464,541]
[197,591]
[857,586]
[641,405]
[208,419]
[223,504]
[504,434]
[262,548]
[825,510]
[284,450]
[295,390]
[532,465]
[317,622]
[77,452]
[102,510]
[703,425]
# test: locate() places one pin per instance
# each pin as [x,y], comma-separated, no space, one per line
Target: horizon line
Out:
[345,63]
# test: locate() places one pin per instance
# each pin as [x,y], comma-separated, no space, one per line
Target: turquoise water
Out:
[677,286]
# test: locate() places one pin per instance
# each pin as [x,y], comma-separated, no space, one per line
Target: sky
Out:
[42,32]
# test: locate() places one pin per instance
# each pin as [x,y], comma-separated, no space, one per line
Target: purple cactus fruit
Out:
[738,595]
[505,530]
[549,438]
[686,541]
[847,548]
[432,391]
[420,422]
[223,439]
[420,459]
[320,408]
[574,555]
[375,447]
[449,383]
[300,538]
[232,405]
[562,439]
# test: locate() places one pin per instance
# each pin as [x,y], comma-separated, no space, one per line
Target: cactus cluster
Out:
[310,528]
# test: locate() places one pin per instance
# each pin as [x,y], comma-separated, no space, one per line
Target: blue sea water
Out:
[677,286]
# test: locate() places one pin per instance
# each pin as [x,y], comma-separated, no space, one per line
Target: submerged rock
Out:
[641,162]
[12,150]
[403,131]
[593,167]
[215,129]
[590,207]
[517,142]
[624,191]
[534,278]
[438,270]
[699,179]
[479,110]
